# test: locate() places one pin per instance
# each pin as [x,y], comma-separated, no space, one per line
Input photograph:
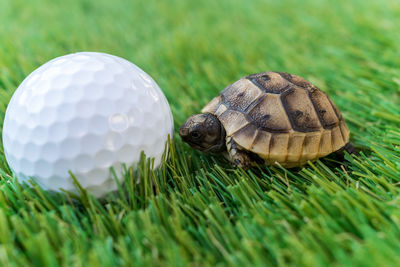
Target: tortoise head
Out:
[204,132]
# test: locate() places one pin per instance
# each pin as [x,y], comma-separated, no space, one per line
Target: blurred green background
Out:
[202,212]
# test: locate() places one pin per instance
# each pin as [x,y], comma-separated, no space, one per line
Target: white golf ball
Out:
[84,113]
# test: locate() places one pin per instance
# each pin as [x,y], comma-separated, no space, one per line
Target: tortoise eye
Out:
[195,135]
[265,78]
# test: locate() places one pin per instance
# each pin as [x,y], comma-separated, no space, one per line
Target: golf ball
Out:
[85,113]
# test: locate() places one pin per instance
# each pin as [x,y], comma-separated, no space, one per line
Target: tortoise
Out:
[269,117]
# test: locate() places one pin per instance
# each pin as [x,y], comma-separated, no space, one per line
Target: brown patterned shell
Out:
[281,117]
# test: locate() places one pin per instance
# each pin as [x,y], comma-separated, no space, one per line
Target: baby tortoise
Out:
[269,117]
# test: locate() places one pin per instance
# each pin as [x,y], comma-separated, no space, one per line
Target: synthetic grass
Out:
[197,209]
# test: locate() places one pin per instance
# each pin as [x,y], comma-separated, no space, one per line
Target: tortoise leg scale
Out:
[236,156]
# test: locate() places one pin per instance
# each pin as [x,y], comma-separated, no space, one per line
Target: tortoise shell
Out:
[280,117]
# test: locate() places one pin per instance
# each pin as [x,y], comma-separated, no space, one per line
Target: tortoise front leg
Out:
[237,156]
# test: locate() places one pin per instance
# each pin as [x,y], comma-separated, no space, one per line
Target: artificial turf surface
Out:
[197,209]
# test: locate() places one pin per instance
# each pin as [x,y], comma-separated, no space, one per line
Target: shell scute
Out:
[269,82]
[325,145]
[311,146]
[337,139]
[233,121]
[212,106]
[240,95]
[337,111]
[278,147]
[295,147]
[345,131]
[299,81]
[300,110]
[324,109]
[261,143]
[246,136]
[269,114]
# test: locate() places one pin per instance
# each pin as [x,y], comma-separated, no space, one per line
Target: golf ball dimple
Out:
[85,113]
